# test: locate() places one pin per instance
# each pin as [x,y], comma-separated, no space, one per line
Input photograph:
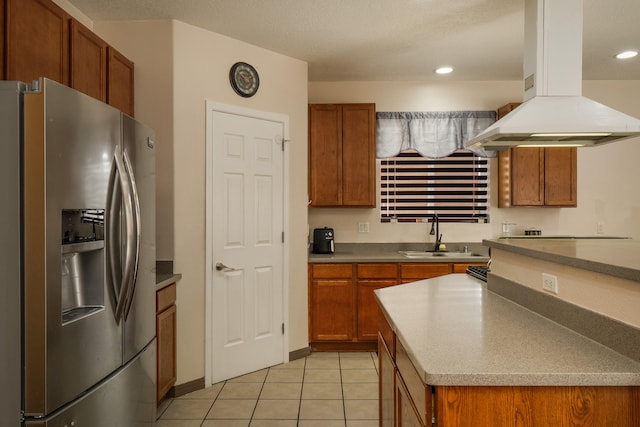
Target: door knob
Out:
[221,267]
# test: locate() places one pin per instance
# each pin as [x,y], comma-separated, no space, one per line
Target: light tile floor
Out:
[322,390]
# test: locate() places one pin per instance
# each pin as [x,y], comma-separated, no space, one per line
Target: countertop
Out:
[389,252]
[456,332]
[165,279]
[612,256]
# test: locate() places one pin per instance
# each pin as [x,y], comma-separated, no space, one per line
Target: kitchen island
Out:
[453,350]
[459,352]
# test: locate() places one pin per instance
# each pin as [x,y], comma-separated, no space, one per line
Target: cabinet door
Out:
[332,308]
[358,155]
[387,385]
[120,91]
[527,176]
[37,41]
[166,342]
[325,155]
[406,414]
[561,176]
[368,307]
[88,62]
[342,155]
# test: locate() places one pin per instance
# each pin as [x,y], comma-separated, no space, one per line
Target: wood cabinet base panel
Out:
[344,346]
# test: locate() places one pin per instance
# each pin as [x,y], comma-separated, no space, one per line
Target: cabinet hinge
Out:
[283,329]
[283,237]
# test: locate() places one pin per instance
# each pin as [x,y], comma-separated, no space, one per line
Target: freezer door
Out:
[139,313]
[72,340]
[126,399]
[10,360]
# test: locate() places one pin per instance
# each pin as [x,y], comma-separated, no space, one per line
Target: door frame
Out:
[210,108]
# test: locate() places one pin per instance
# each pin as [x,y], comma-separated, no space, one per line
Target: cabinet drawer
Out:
[420,394]
[165,297]
[423,270]
[462,268]
[377,271]
[332,271]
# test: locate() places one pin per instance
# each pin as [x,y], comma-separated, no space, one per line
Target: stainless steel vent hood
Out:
[554,112]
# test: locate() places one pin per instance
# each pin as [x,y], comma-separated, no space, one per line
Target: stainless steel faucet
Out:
[435,230]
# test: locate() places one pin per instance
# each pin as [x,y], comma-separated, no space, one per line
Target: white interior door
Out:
[247,310]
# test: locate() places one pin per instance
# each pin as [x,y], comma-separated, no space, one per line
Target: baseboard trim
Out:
[186,388]
[299,354]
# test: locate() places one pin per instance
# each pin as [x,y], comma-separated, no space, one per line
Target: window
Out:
[414,188]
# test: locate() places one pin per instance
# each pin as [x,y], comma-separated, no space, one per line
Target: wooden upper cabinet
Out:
[37,41]
[88,62]
[561,176]
[120,89]
[358,155]
[531,176]
[342,155]
[325,155]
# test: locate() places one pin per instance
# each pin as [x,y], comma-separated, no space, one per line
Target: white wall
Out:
[197,70]
[608,295]
[606,175]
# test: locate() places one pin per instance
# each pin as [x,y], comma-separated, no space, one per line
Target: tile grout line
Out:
[304,373]
[344,406]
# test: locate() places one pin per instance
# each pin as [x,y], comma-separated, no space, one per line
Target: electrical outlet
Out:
[550,283]
[600,228]
[363,227]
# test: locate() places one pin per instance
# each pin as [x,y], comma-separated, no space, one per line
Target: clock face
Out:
[244,79]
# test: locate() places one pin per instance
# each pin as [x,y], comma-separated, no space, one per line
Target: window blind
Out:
[414,188]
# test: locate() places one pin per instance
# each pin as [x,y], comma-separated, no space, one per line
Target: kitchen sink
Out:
[440,254]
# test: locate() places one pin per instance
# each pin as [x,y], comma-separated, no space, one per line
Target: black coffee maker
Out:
[323,241]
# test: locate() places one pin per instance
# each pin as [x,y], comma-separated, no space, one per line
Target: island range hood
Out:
[554,112]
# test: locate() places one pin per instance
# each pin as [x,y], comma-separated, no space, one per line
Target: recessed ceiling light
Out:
[443,70]
[627,54]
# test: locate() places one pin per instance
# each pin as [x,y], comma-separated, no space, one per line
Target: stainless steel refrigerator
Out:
[77,258]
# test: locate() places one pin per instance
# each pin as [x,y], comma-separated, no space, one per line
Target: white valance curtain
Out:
[432,134]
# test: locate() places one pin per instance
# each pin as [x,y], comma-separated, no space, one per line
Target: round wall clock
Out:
[244,79]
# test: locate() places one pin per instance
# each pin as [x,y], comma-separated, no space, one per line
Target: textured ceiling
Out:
[370,40]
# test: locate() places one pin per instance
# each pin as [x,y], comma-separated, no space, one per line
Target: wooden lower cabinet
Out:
[538,406]
[462,268]
[406,412]
[166,340]
[331,302]
[415,403]
[343,312]
[387,384]
[369,278]
[412,271]
[2,37]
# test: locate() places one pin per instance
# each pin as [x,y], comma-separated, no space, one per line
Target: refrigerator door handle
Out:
[135,234]
[120,287]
